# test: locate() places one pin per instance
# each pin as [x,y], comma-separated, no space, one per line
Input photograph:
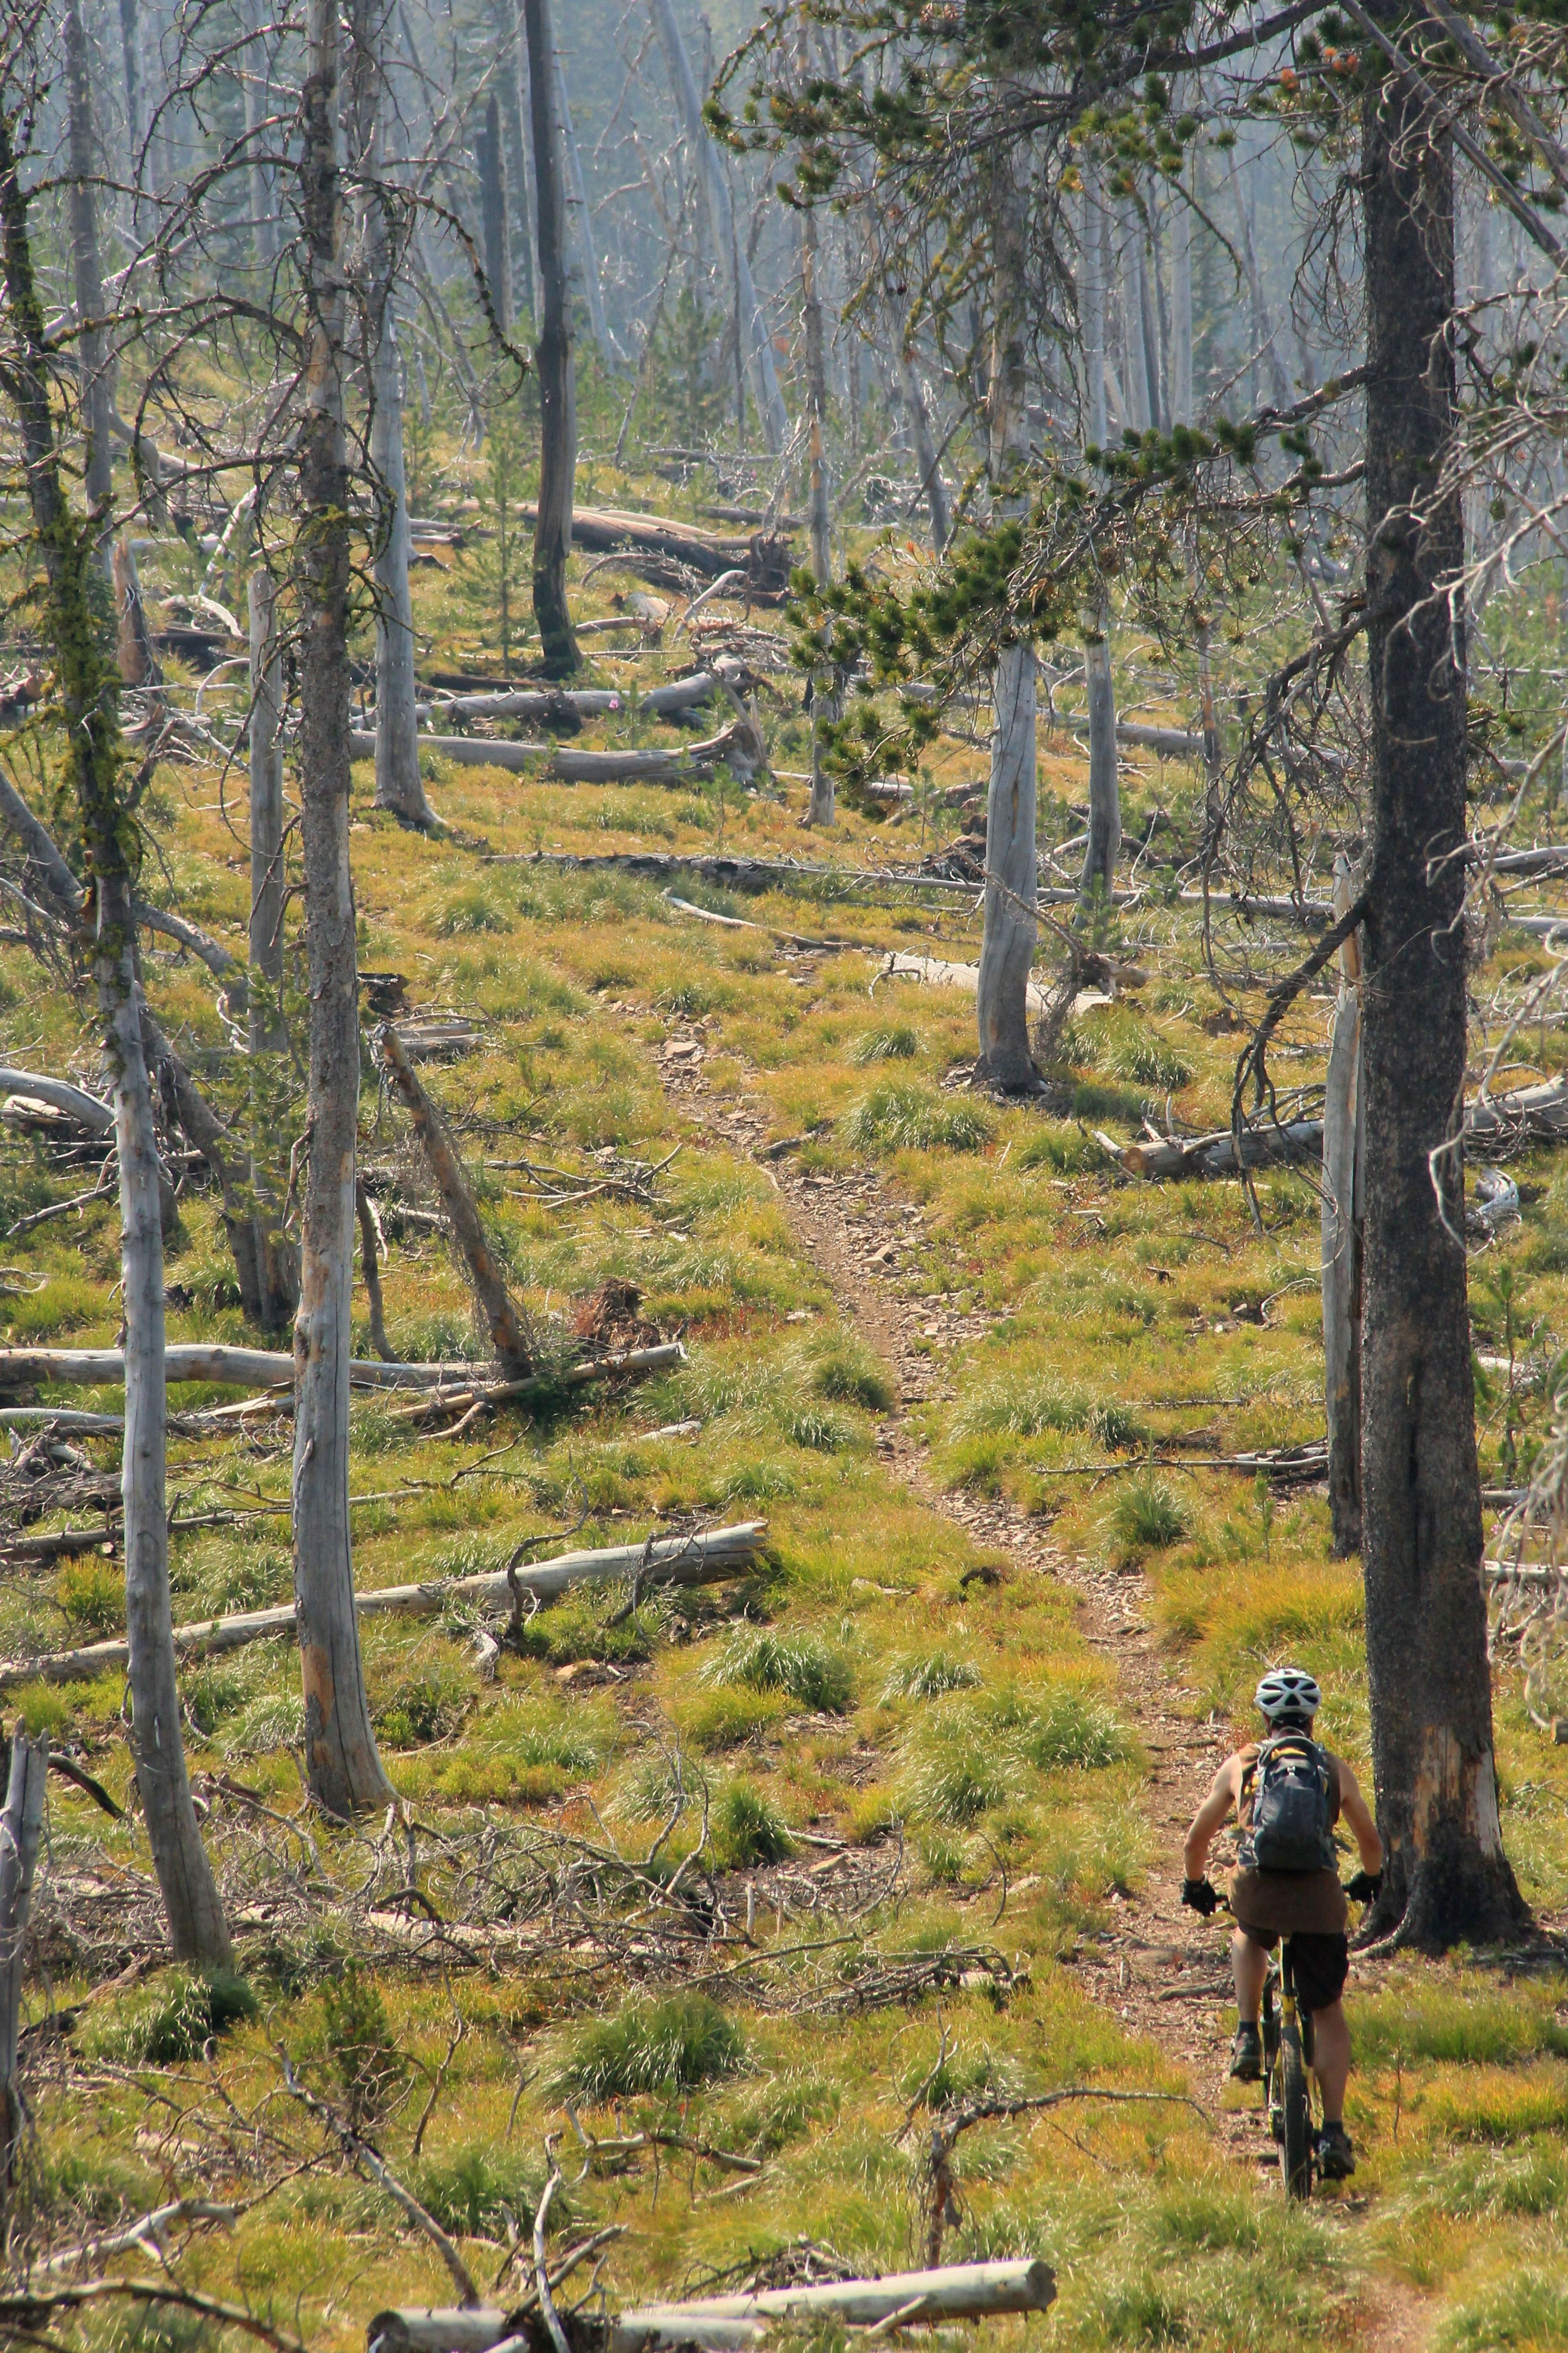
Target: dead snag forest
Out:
[782,839]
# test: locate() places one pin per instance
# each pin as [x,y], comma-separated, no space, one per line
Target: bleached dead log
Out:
[606,529]
[702,1559]
[60,1095]
[954,2292]
[202,1360]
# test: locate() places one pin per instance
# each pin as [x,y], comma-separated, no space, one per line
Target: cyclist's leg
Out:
[1249,1967]
[1332,2059]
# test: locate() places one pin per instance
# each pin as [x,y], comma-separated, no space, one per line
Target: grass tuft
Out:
[747,1829]
[895,1043]
[800,1665]
[664,2046]
[1145,1517]
[898,1116]
[169,2019]
[927,1674]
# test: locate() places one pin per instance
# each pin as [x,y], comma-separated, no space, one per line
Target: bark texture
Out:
[342,1760]
[553,358]
[88,691]
[1008,946]
[1447,1877]
[826,702]
[1342,1236]
[494,221]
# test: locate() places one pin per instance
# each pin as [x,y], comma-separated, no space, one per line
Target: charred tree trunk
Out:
[1341,1239]
[1007,948]
[926,454]
[89,694]
[557,388]
[93,358]
[490,157]
[515,108]
[1447,1877]
[342,1760]
[1104,845]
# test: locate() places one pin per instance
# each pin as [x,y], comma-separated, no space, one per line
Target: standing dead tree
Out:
[341,1759]
[88,690]
[557,390]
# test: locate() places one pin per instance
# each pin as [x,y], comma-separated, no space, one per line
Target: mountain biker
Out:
[1308,1906]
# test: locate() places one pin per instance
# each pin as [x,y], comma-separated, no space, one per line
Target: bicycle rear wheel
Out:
[1296,2115]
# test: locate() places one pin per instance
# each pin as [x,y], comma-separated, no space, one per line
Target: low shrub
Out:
[664,2046]
[366,2062]
[91,1592]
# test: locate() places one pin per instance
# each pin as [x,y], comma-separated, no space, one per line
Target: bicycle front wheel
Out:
[1296,2115]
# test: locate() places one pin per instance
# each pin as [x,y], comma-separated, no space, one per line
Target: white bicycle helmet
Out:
[1288,1691]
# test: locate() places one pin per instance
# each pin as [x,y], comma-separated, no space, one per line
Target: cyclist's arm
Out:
[1213,1811]
[1357,1815]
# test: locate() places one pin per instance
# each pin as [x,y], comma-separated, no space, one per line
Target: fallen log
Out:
[509,1335]
[702,1559]
[1530,1115]
[258,1368]
[764,558]
[678,694]
[96,1116]
[202,1360]
[954,2292]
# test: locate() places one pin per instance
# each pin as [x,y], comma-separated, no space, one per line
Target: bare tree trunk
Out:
[370,1248]
[1091,306]
[752,325]
[1104,796]
[399,788]
[342,1760]
[490,157]
[21,1827]
[1262,324]
[1135,376]
[131,56]
[90,694]
[258,85]
[926,455]
[1447,1878]
[1181,399]
[1342,1233]
[515,107]
[1007,947]
[582,221]
[277,1260]
[824,698]
[92,361]
[557,388]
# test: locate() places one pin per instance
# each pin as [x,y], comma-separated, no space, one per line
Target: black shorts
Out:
[1320,1964]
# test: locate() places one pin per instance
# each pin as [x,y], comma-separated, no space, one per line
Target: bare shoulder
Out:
[1349,1786]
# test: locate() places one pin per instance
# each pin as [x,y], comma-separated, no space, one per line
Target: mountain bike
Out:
[1289,2087]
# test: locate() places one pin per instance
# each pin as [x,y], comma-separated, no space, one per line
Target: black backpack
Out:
[1292,1827]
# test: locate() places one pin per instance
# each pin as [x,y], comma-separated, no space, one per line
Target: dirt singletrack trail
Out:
[1158,1968]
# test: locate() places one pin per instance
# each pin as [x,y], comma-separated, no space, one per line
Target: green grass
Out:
[898,1116]
[671,2046]
[800,1666]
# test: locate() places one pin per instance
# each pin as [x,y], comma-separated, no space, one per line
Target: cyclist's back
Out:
[1287,1793]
